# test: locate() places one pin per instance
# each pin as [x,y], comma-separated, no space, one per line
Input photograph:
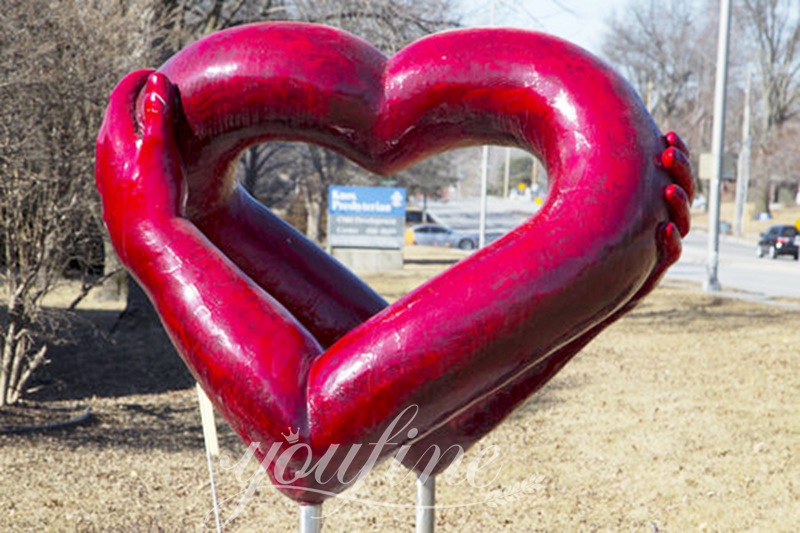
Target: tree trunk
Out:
[139,313]
[313,219]
[762,197]
[115,287]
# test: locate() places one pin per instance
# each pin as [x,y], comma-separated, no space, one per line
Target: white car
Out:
[439,235]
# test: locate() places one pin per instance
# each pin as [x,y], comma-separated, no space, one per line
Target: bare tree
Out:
[387,24]
[263,171]
[774,30]
[56,67]
[663,49]
[430,177]
[774,27]
[176,23]
[667,52]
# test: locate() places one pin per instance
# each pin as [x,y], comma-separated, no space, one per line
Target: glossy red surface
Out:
[279,334]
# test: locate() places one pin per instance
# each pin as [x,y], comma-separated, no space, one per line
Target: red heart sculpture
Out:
[280,335]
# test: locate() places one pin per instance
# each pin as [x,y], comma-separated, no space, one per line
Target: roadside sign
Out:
[707,162]
[366,217]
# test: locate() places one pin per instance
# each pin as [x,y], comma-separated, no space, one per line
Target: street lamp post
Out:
[711,284]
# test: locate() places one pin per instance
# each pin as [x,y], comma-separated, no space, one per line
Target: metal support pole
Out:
[484,195]
[207,420]
[311,518]
[718,135]
[507,173]
[426,503]
[212,446]
[484,175]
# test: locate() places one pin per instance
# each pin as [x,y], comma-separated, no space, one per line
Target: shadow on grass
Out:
[711,312]
[133,360]
[165,422]
[433,262]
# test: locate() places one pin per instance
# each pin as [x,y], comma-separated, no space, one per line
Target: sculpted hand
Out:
[137,174]
[427,455]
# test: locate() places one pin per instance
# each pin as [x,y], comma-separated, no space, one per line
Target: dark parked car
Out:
[779,240]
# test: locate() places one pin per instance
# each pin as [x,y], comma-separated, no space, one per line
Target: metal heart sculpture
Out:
[297,353]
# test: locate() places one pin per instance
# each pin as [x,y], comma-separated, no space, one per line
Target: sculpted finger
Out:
[669,251]
[669,246]
[673,139]
[676,162]
[116,140]
[119,124]
[159,110]
[160,158]
[160,104]
[678,204]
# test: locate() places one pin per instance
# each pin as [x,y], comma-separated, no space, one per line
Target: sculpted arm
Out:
[215,314]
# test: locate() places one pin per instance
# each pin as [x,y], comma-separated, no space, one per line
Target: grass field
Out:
[681,417]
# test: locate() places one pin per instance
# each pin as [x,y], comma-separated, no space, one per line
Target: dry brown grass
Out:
[752,227]
[682,417]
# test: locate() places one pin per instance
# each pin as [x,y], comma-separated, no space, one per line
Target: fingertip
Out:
[158,83]
[159,102]
[129,86]
[118,122]
[676,162]
[678,203]
[668,157]
[156,95]
[673,139]
[670,243]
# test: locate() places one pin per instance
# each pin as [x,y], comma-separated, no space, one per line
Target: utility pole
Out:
[507,173]
[711,284]
[484,178]
[743,166]
[484,197]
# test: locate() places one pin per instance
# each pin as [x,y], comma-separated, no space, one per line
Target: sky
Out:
[579,21]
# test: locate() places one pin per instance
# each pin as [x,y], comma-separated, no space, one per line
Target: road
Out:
[739,268]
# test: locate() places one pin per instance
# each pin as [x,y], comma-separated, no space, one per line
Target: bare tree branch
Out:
[57,67]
